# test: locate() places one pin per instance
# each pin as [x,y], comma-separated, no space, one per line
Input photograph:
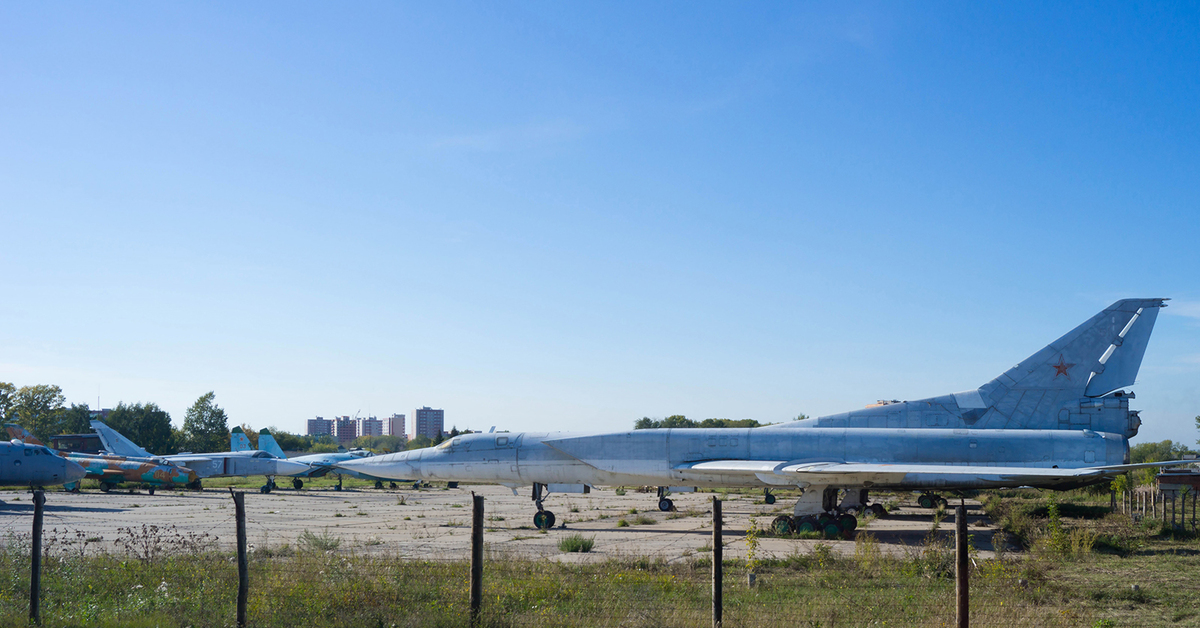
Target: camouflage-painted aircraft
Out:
[113,470]
[206,465]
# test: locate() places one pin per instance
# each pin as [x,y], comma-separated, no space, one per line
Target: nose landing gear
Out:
[543,519]
[929,500]
[664,503]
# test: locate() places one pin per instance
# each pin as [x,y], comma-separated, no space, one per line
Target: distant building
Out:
[370,426]
[345,430]
[320,427]
[395,425]
[428,422]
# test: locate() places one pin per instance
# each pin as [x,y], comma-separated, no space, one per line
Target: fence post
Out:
[35,575]
[239,505]
[962,574]
[476,558]
[717,552]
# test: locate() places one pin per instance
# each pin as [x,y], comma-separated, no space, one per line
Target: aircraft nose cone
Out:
[286,467]
[72,471]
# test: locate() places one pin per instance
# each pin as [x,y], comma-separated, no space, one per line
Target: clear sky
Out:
[569,216]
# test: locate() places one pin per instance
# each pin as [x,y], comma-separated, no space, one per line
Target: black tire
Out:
[782,525]
[665,504]
[150,490]
[195,486]
[264,489]
[831,530]
[806,524]
[823,520]
[105,487]
[769,499]
[297,484]
[878,510]
[848,523]
[392,485]
[925,501]
[543,520]
[378,484]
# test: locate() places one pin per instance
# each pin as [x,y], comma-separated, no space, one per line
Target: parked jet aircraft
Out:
[22,464]
[113,470]
[1012,439]
[206,465]
[318,465]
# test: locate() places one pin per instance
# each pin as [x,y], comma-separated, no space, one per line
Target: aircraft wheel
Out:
[416,486]
[806,524]
[105,487]
[150,490]
[832,530]
[769,499]
[848,523]
[392,485]
[878,510]
[543,520]
[782,525]
[925,501]
[297,484]
[195,486]
[265,488]
[941,501]
[665,504]
[823,520]
[378,484]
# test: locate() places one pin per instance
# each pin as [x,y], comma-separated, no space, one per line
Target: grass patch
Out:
[322,541]
[576,543]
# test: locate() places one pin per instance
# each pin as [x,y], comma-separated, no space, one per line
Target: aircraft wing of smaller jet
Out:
[787,473]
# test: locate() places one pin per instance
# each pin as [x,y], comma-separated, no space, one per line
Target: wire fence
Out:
[98,569]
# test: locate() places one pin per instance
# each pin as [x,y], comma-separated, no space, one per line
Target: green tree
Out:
[644,423]
[1157,452]
[252,435]
[292,442]
[145,424]
[1198,427]
[380,444]
[76,420]
[205,426]
[729,423]
[419,442]
[38,409]
[8,394]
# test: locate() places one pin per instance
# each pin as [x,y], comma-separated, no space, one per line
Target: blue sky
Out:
[548,216]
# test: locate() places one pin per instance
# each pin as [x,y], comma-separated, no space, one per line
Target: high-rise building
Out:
[395,425]
[345,430]
[370,426]
[320,427]
[428,422]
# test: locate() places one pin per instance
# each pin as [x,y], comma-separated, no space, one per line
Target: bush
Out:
[576,543]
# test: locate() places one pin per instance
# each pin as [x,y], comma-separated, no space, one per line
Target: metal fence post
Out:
[717,552]
[35,574]
[962,574]
[476,558]
[239,505]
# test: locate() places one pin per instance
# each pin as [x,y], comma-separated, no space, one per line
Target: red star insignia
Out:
[1061,367]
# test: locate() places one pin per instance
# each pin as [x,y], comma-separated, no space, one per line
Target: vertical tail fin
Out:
[16,432]
[267,443]
[238,441]
[115,443]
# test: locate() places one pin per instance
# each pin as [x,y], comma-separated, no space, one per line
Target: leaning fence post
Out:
[35,575]
[476,558]
[717,551]
[239,505]
[962,574]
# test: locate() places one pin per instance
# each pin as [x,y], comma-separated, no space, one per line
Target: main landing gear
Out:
[818,510]
[269,486]
[297,483]
[544,519]
[929,500]
[664,503]
[768,498]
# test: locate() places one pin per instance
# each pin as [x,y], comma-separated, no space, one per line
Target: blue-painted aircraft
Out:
[35,466]
[1058,419]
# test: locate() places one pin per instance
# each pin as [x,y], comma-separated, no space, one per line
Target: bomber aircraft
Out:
[113,470]
[1058,420]
[23,464]
[206,465]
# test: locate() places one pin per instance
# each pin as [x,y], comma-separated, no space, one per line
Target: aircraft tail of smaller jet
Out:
[115,443]
[238,441]
[16,432]
[267,443]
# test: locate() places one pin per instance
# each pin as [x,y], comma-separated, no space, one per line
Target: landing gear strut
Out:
[664,503]
[768,498]
[339,484]
[818,510]
[544,519]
